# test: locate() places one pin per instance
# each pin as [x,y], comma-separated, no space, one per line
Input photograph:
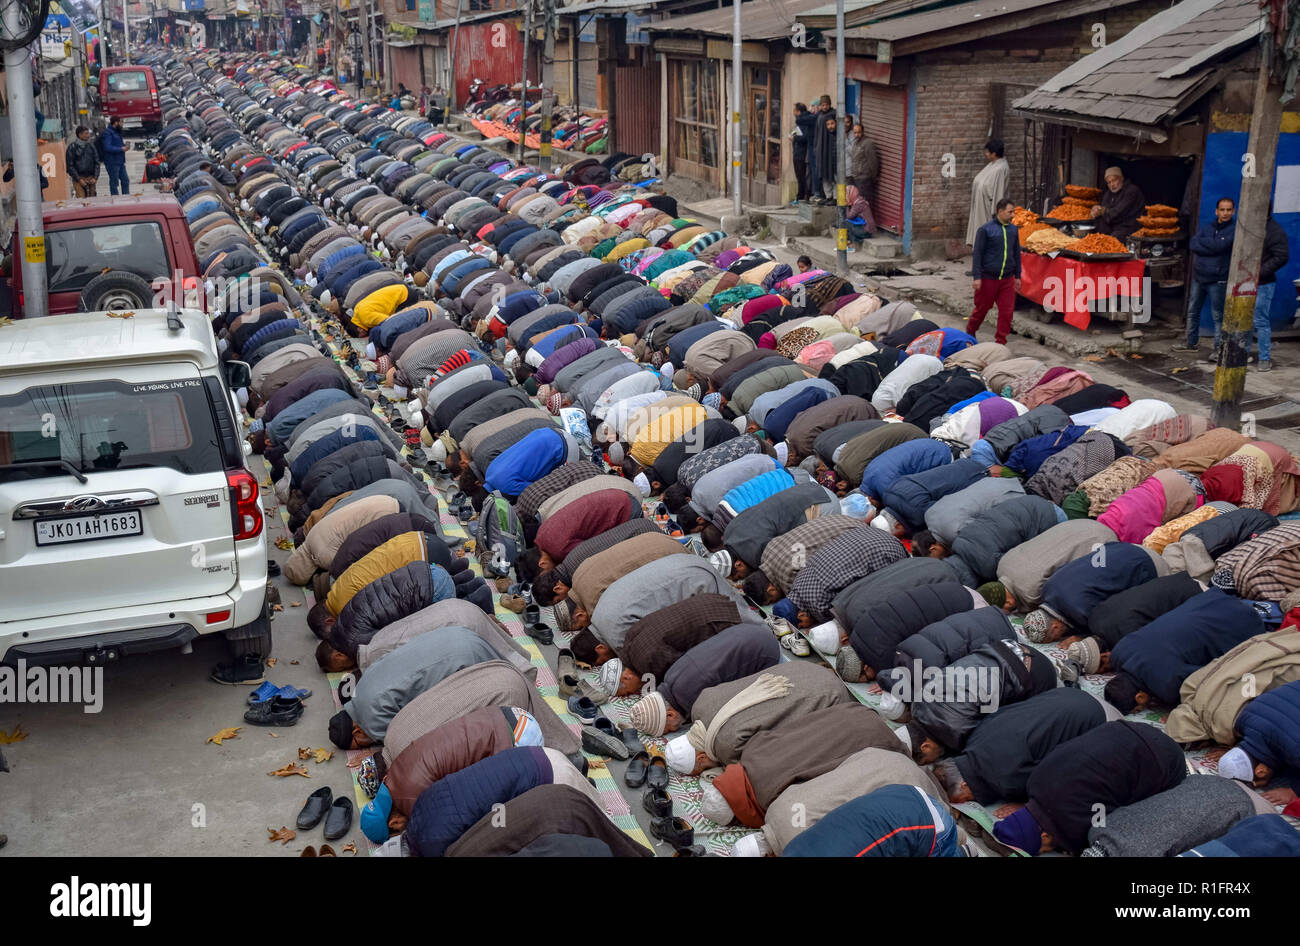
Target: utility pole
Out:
[841,139]
[1248,245]
[548,85]
[126,34]
[735,107]
[449,104]
[523,101]
[312,62]
[364,23]
[27,179]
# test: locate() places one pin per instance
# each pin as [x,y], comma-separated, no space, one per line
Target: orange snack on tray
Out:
[1087,193]
[1077,202]
[1161,210]
[1021,217]
[1097,243]
[1068,212]
[1156,232]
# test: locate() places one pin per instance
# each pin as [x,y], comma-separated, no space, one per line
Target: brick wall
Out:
[954,105]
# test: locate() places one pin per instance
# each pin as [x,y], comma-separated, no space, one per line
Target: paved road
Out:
[139,777]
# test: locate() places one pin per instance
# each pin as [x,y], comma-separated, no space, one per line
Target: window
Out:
[133,81]
[695,112]
[108,425]
[75,257]
[764,131]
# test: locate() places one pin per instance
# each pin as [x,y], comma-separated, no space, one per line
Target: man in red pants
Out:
[995,270]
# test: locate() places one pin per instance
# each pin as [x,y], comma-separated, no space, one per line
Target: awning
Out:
[761,20]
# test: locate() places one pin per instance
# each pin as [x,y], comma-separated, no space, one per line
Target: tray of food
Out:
[1090,194]
[1097,247]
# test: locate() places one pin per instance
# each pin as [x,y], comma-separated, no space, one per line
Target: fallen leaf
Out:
[274,735]
[1093,358]
[290,769]
[270,661]
[1178,370]
[1112,352]
[350,848]
[284,835]
[18,735]
[295,604]
[596,764]
[1136,357]
[284,543]
[230,732]
[120,315]
[294,662]
[5,320]
[304,752]
[323,755]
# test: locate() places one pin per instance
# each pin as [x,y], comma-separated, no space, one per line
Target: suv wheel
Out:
[252,638]
[116,292]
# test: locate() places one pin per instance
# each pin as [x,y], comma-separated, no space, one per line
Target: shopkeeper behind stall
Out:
[1121,205]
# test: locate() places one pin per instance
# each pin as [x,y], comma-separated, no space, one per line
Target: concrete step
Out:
[880,253]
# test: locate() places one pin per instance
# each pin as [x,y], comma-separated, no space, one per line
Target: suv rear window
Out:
[108,425]
[76,256]
[133,81]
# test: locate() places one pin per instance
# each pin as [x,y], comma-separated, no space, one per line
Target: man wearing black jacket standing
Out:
[1275,255]
[995,270]
[83,163]
[805,124]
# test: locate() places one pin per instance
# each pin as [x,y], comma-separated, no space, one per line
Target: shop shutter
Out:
[884,115]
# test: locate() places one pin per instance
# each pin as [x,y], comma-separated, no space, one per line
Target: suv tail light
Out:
[245,511]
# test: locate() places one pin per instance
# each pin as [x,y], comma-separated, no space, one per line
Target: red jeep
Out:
[130,92]
[115,247]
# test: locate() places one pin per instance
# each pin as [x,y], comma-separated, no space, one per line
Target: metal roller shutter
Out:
[883,112]
[637,117]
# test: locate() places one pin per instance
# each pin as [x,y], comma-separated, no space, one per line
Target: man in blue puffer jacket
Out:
[1211,255]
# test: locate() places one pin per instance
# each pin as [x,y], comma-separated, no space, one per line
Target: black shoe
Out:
[657,802]
[676,831]
[241,670]
[579,762]
[630,739]
[272,568]
[275,712]
[657,776]
[635,775]
[338,821]
[318,802]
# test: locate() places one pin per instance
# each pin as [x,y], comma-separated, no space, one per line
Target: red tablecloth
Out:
[1067,284]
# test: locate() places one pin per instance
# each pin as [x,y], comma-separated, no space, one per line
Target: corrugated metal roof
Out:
[1155,71]
[944,18]
[760,20]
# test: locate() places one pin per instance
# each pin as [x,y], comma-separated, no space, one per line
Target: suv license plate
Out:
[109,525]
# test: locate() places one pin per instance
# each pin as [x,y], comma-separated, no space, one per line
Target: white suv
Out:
[129,521]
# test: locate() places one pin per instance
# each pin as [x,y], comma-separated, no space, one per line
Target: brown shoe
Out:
[513,603]
[503,585]
[327,851]
[308,851]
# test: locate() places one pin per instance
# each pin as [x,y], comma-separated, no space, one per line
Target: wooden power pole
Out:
[1247,246]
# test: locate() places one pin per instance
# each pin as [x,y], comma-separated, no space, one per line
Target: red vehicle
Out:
[130,92]
[111,250]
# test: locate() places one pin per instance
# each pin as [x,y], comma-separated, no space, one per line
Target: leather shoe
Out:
[657,773]
[658,802]
[635,775]
[318,802]
[676,831]
[339,820]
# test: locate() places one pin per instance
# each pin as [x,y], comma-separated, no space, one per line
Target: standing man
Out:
[825,147]
[1211,255]
[83,163]
[864,163]
[1121,205]
[990,185]
[995,270]
[113,150]
[1275,255]
[805,125]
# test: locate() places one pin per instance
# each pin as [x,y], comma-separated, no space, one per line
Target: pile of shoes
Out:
[321,805]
